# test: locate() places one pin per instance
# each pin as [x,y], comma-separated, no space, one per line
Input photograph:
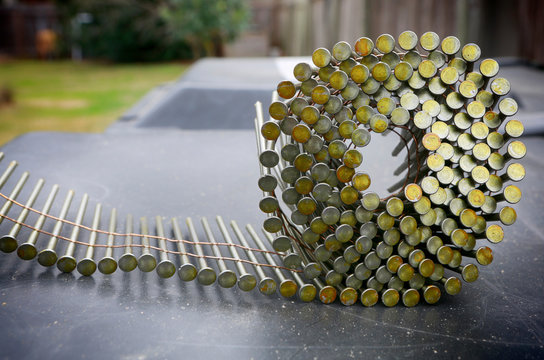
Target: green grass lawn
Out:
[77,97]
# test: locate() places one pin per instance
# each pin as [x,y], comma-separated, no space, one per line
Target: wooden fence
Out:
[500,27]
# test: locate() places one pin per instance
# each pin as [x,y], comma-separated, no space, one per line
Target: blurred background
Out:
[77,65]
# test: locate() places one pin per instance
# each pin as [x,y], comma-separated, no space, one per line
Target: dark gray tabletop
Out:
[220,93]
[213,93]
[178,173]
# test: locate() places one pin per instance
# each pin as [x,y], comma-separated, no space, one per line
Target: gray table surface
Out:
[178,173]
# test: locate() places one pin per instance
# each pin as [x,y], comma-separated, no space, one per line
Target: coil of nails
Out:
[461,167]
[341,238]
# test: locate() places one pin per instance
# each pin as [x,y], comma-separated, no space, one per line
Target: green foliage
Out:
[205,24]
[150,30]
[121,30]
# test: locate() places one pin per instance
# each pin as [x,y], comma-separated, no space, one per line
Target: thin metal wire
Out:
[408,159]
[68,222]
[60,237]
